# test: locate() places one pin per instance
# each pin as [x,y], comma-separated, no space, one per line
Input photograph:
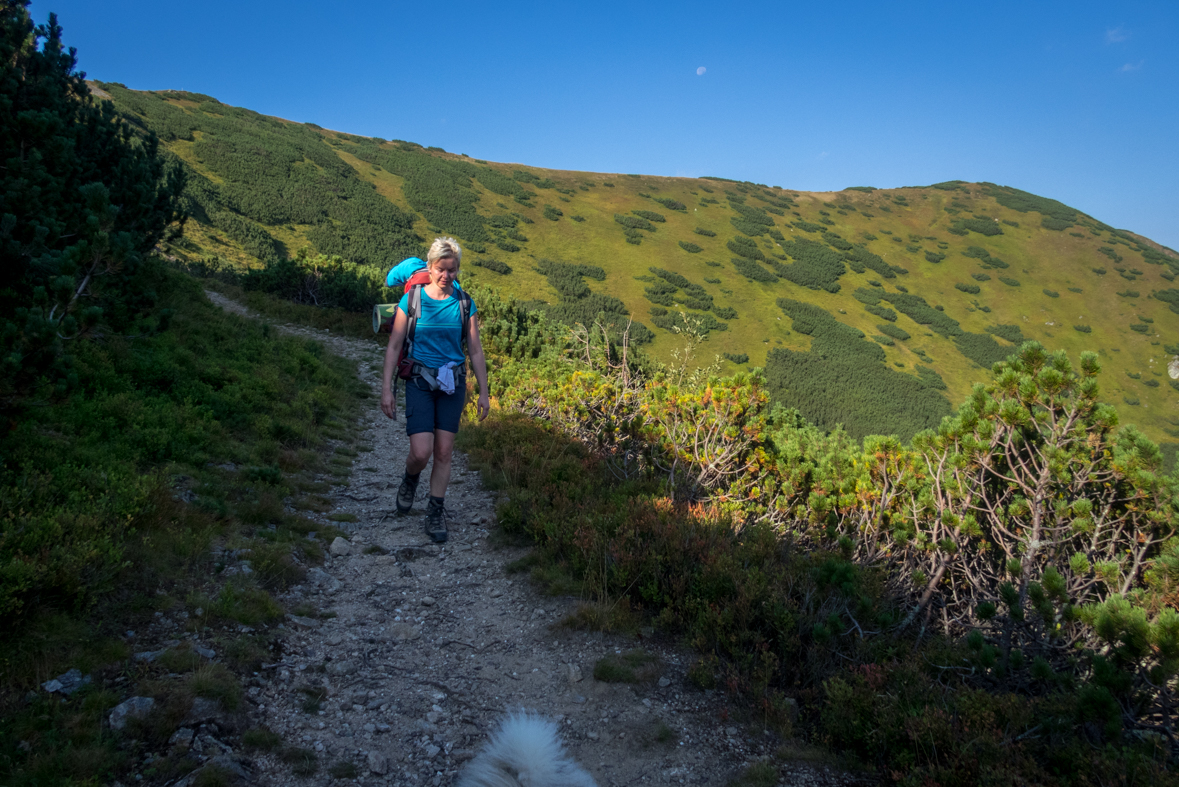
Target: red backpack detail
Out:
[419,277]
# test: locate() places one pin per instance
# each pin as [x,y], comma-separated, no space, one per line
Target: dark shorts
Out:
[427,410]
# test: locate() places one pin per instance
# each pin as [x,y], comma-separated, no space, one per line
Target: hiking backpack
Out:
[406,365]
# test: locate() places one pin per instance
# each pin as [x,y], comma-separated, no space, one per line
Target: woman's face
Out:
[444,272]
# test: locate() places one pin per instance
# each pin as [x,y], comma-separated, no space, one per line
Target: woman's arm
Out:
[479,364]
[392,353]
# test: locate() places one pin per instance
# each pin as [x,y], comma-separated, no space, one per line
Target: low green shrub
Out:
[1083,328]
[634,222]
[971,289]
[746,248]
[894,331]
[1051,293]
[750,228]
[980,276]
[492,265]
[691,248]
[705,233]
[1009,281]
[737,358]
[671,204]
[751,270]
[882,312]
[552,213]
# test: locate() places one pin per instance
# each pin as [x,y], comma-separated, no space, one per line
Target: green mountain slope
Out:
[868,307]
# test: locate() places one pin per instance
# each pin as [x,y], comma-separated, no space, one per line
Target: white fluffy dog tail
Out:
[525,752]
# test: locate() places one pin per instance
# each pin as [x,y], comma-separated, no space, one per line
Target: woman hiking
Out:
[436,391]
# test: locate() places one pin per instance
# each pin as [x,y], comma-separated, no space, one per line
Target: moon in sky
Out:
[700,71]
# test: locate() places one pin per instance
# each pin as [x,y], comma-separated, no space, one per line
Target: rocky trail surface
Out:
[431,644]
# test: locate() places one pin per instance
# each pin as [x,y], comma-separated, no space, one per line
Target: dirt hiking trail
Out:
[431,644]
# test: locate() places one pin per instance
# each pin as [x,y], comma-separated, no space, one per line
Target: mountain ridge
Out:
[935,283]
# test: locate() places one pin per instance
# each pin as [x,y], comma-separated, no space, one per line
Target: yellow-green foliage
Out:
[808,560]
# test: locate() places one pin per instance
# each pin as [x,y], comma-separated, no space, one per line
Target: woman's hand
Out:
[389,403]
[484,406]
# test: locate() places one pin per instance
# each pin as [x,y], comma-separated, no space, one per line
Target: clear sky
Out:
[1078,100]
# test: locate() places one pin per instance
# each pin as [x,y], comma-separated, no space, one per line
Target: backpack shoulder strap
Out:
[415,311]
[465,311]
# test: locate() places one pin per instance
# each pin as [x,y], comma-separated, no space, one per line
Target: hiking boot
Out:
[436,522]
[406,492]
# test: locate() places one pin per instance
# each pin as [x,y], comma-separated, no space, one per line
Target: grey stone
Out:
[181,739]
[378,763]
[495,593]
[432,751]
[403,632]
[664,683]
[593,736]
[428,601]
[134,708]
[340,548]
[574,673]
[67,682]
[303,623]
[343,667]
[205,653]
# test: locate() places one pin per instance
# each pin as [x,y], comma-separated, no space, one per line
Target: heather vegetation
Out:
[984,596]
[145,427]
[884,543]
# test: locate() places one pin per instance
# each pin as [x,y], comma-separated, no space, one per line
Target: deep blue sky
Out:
[1075,100]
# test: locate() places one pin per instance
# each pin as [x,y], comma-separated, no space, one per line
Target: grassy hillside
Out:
[869,307]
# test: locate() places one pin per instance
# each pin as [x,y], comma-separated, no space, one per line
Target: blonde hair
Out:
[442,248]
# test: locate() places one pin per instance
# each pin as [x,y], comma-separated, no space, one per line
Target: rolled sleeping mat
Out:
[383,317]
